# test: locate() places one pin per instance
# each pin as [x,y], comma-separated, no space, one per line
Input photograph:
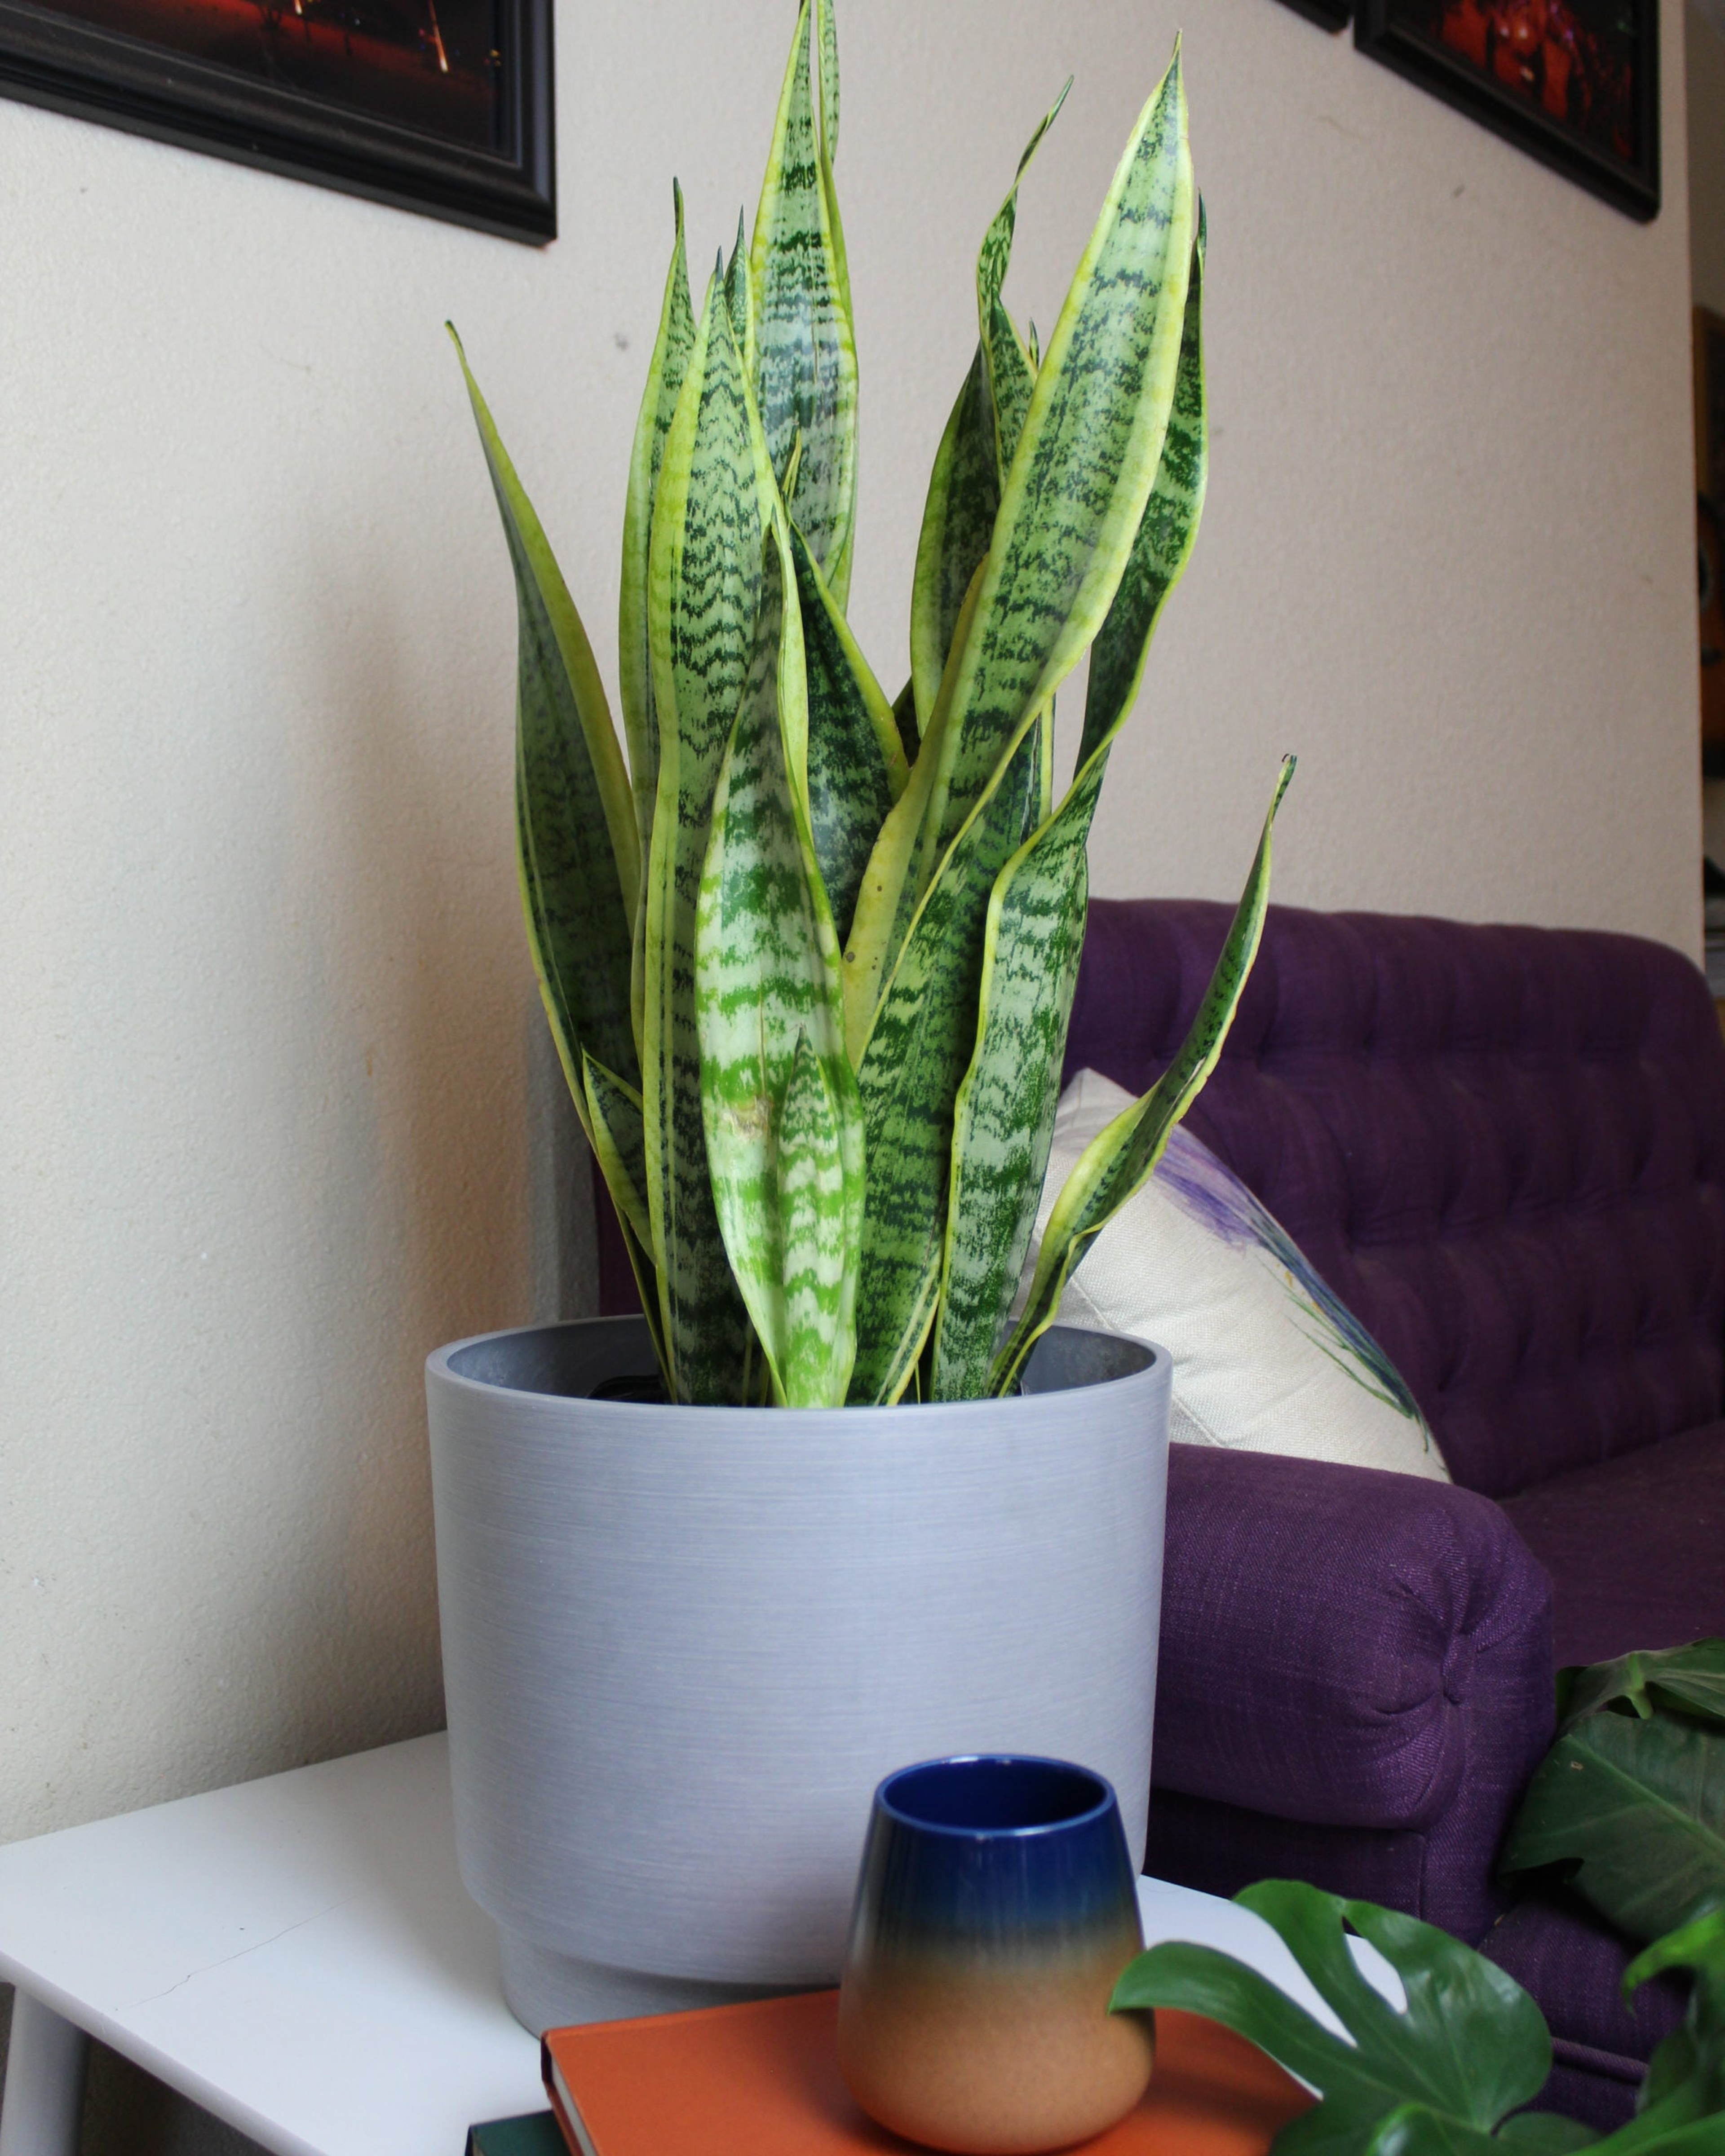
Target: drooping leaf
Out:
[804,350]
[1004,1115]
[704,589]
[1470,2044]
[576,845]
[1083,469]
[856,765]
[1639,1807]
[1692,1680]
[766,978]
[1117,1164]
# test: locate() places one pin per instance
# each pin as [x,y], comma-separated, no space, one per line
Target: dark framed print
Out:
[1327,14]
[1575,82]
[443,106]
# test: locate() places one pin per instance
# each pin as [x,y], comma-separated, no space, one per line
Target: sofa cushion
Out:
[1635,1546]
[1504,1148]
[1265,1358]
[1573,1961]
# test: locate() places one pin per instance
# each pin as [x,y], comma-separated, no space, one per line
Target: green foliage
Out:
[809,960]
[1631,1797]
[1445,2076]
[1471,2045]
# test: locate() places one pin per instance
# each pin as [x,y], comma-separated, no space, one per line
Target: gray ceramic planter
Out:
[681,1645]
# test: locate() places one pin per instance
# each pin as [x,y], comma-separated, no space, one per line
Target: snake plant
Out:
[809,960]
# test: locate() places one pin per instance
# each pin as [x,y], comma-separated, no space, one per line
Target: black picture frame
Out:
[1327,14]
[54,59]
[1382,29]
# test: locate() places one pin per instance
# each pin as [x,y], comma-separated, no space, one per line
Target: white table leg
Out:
[44,2103]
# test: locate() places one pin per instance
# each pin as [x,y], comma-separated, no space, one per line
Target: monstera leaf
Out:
[1682,2108]
[1632,1794]
[1469,2047]
[1692,1680]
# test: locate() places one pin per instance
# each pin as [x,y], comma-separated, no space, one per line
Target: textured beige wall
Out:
[270,1043]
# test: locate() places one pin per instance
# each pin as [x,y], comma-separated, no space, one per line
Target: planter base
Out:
[547,1990]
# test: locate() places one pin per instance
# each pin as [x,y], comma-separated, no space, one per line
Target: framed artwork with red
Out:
[443,106]
[1574,82]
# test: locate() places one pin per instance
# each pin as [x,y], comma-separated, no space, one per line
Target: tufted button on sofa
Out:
[1504,1148]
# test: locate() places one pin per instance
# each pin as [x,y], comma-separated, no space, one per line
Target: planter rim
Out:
[439,1364]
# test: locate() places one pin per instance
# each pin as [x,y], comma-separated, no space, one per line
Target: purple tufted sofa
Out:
[1505,1149]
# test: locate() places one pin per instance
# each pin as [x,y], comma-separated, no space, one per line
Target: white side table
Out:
[298,1955]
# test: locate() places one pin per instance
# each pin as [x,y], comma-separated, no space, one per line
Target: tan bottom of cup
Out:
[994,2064]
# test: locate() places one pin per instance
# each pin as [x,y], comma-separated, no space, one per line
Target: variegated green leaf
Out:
[803,351]
[975,452]
[856,766]
[1083,469]
[736,287]
[887,898]
[640,724]
[767,971]
[921,1039]
[658,402]
[816,1239]
[1011,371]
[1004,1115]
[703,590]
[575,826]
[1117,1164]
[826,39]
[1166,531]
[620,1143]
[1002,1120]
[957,523]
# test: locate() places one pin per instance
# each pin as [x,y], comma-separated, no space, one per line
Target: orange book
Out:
[763,2080]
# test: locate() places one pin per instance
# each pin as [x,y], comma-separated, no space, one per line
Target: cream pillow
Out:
[1267,1359]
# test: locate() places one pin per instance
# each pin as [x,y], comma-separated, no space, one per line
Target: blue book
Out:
[535,2133]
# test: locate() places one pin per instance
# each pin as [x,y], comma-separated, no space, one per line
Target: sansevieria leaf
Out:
[1070,508]
[767,991]
[1119,1161]
[971,464]
[614,1125]
[856,764]
[1083,466]
[659,403]
[803,351]
[1011,370]
[575,828]
[816,1226]
[1004,1119]
[703,590]
[957,524]
[918,1044]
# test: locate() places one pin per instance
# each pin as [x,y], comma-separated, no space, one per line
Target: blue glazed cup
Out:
[995,1909]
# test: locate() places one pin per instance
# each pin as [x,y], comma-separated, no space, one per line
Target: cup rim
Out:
[1105,1797]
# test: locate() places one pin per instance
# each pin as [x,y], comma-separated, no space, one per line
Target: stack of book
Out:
[1713,928]
[763,2080]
